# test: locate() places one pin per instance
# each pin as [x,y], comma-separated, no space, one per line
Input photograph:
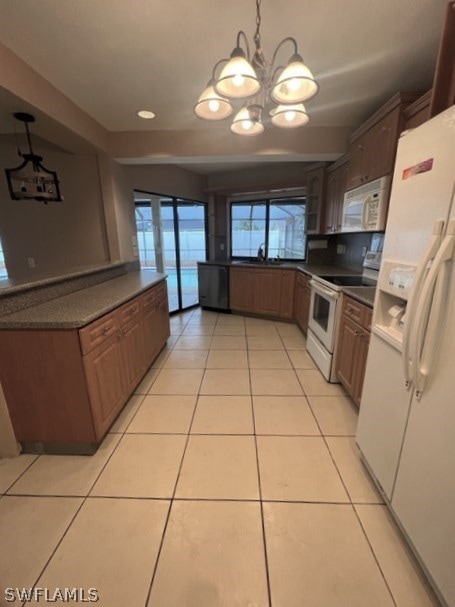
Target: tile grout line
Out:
[84,499]
[374,553]
[264,539]
[351,503]
[21,474]
[171,501]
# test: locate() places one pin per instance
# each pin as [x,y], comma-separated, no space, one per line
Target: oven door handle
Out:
[316,286]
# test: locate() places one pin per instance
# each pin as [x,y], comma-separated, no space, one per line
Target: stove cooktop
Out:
[345,281]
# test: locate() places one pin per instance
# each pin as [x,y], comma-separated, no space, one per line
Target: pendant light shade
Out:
[238,79]
[289,116]
[211,106]
[295,84]
[248,122]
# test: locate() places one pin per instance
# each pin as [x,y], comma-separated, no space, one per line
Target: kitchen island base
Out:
[64,387]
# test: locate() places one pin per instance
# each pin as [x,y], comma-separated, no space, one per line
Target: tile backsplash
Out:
[354,247]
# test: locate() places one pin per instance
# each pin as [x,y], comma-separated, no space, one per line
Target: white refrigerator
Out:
[406,428]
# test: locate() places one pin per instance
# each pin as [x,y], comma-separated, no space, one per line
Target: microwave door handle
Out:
[421,274]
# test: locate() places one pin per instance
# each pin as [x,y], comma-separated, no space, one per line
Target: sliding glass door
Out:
[172,238]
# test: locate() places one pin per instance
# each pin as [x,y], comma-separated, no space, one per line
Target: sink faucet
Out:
[261,255]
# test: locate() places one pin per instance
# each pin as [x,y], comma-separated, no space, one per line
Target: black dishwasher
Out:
[213,286]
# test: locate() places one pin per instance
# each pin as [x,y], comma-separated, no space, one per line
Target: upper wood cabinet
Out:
[443,94]
[373,146]
[336,188]
[315,198]
[418,112]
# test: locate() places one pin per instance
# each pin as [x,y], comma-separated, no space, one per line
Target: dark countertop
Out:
[307,268]
[363,294]
[84,306]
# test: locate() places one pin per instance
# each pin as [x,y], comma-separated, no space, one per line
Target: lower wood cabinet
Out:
[302,298]
[353,342]
[267,292]
[65,387]
[263,291]
[241,289]
[105,383]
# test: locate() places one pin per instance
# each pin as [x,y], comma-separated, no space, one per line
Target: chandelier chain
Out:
[257,35]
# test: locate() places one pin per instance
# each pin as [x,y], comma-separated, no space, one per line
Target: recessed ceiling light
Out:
[146,114]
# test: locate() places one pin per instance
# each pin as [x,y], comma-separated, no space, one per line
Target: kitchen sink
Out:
[253,262]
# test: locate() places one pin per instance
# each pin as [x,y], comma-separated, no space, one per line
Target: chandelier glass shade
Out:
[289,116]
[255,85]
[212,106]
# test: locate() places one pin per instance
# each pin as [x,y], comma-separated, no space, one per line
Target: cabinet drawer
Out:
[367,318]
[129,311]
[353,310]
[148,299]
[97,332]
[161,290]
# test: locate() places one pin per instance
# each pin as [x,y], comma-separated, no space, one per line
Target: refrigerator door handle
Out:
[428,320]
[421,274]
[365,210]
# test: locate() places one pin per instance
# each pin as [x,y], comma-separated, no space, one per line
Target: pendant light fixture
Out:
[31,180]
[256,83]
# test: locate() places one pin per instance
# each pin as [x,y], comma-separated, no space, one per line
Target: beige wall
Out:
[59,236]
[167,179]
[284,174]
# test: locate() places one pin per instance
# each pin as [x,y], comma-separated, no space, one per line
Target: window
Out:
[278,224]
[3,272]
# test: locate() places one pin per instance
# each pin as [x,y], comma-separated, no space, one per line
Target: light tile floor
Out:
[231,478]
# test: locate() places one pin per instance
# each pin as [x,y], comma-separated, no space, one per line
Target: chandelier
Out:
[30,180]
[257,84]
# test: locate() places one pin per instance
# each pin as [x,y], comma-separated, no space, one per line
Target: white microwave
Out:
[365,207]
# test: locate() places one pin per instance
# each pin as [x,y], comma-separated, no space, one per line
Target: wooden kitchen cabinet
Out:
[315,198]
[267,292]
[156,329]
[443,94]
[79,380]
[241,289]
[264,291]
[353,342]
[287,294]
[373,146]
[418,112]
[336,188]
[302,298]
[105,383]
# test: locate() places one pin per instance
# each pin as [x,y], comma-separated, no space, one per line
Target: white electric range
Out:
[325,312]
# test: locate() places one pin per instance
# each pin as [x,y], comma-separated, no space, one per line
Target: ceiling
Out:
[113,57]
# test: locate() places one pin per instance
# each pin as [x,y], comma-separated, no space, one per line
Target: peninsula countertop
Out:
[81,307]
